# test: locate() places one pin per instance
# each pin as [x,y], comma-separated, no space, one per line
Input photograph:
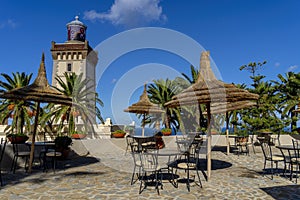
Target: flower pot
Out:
[167,133]
[118,135]
[18,139]
[78,135]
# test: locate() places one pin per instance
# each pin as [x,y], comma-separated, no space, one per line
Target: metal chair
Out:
[129,141]
[268,156]
[191,163]
[136,162]
[2,150]
[242,145]
[19,152]
[295,160]
[53,155]
[151,171]
[286,154]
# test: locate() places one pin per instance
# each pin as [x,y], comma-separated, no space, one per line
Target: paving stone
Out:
[97,177]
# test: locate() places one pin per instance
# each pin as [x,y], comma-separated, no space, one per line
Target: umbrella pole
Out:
[143,124]
[33,137]
[208,141]
[227,133]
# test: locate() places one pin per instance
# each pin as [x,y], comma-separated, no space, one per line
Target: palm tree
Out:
[192,80]
[85,103]
[21,111]
[161,92]
[289,89]
[194,73]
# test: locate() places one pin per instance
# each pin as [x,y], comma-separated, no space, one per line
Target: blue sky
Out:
[235,32]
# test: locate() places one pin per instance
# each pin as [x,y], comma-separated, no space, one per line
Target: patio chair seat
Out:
[53,154]
[186,165]
[23,153]
[277,158]
[295,160]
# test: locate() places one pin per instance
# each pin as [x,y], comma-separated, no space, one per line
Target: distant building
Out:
[75,55]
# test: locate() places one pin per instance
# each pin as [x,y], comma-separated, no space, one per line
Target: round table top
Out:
[141,136]
[41,143]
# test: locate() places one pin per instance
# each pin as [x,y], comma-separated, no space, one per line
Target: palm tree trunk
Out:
[293,114]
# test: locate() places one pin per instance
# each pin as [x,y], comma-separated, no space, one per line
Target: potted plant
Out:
[166,131]
[18,138]
[62,144]
[78,135]
[213,131]
[242,136]
[118,134]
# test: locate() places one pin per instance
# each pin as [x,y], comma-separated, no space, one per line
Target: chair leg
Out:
[15,164]
[53,164]
[291,172]
[188,180]
[141,183]
[133,173]
[272,170]
[26,163]
[156,180]
[265,166]
[1,181]
[199,177]
[12,164]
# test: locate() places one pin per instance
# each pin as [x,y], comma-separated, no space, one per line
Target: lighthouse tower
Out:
[75,55]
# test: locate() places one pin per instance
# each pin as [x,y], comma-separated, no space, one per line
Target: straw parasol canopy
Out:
[144,106]
[212,92]
[39,91]
[230,106]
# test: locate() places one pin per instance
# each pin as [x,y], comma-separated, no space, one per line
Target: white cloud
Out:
[8,23]
[292,68]
[130,13]
[277,64]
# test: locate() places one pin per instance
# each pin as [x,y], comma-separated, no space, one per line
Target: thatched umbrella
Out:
[39,91]
[210,91]
[144,106]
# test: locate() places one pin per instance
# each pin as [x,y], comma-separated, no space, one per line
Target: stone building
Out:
[75,55]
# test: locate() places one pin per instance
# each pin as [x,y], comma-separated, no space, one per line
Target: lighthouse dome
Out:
[76,30]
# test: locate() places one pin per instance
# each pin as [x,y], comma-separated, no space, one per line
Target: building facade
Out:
[75,56]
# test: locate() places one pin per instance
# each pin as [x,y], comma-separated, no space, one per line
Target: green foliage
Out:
[277,100]
[19,110]
[63,142]
[161,92]
[84,103]
[166,130]
[119,131]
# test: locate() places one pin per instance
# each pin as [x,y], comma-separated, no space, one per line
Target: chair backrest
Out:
[184,142]
[129,139]
[296,148]
[2,150]
[149,160]
[134,152]
[266,149]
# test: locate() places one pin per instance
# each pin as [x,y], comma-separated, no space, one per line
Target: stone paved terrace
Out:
[106,172]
